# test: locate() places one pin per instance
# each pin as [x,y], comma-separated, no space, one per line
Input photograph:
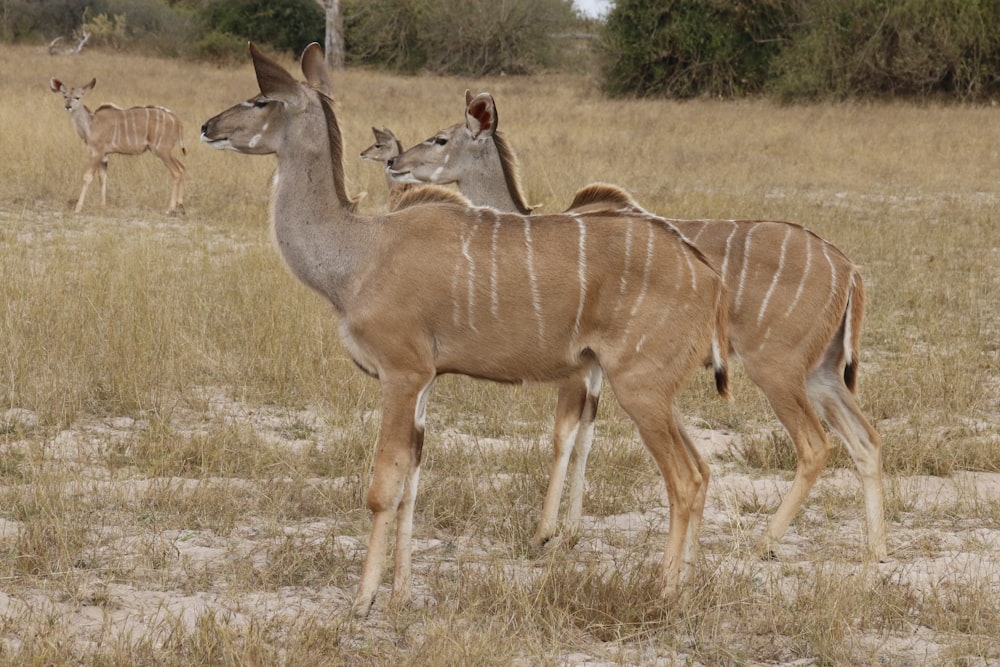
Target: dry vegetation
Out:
[185,447]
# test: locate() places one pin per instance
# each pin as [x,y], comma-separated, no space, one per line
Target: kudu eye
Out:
[440,141]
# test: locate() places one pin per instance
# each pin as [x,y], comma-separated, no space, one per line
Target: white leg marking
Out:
[776,278]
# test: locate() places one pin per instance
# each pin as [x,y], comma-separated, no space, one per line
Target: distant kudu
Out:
[795,302]
[386,147]
[440,287]
[111,129]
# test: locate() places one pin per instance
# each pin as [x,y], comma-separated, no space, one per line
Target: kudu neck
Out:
[321,238]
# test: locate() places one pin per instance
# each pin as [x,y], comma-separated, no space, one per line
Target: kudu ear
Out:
[314,68]
[56,85]
[90,86]
[275,83]
[480,114]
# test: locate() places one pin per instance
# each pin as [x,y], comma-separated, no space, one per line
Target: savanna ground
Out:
[185,447]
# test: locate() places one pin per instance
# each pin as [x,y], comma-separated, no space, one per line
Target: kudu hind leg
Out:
[574,432]
[812,447]
[839,409]
[176,168]
[654,415]
[698,510]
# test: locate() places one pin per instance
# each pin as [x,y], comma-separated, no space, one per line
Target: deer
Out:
[439,286]
[796,305]
[133,131]
[386,147]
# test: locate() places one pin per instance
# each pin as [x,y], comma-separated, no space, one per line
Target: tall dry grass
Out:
[186,446]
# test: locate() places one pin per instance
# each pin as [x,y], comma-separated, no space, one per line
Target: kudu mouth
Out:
[214,142]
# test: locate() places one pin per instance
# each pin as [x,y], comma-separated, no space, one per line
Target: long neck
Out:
[81,121]
[487,183]
[319,236]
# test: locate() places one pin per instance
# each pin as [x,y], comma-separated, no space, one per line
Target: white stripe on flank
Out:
[805,276]
[536,300]
[704,225]
[494,269]
[694,275]
[743,269]
[623,281]
[777,276]
[645,275]
[582,273]
[725,257]
[848,328]
[470,263]
[833,276]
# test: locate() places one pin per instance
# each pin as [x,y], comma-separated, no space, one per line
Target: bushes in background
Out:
[456,36]
[683,48]
[803,49]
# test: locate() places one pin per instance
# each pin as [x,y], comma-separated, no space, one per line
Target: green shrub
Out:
[852,48]
[477,37]
[283,24]
[684,48]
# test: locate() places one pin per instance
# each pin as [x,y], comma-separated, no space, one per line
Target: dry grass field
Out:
[185,447]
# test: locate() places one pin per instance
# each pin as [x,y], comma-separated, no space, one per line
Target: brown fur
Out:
[438,287]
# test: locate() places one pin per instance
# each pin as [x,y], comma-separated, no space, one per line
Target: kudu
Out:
[386,147]
[132,131]
[795,302]
[440,287]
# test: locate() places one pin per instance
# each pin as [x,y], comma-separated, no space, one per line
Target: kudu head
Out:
[72,96]
[442,158]
[257,125]
[386,146]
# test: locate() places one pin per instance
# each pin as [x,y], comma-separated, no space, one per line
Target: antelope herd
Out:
[469,282]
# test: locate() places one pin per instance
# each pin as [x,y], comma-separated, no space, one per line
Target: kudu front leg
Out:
[393,490]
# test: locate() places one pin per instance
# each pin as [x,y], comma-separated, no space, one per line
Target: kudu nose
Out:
[389,162]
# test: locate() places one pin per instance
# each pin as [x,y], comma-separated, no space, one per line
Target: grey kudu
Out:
[795,305]
[441,287]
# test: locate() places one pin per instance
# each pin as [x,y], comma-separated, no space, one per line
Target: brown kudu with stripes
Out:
[132,131]
[441,287]
[795,302]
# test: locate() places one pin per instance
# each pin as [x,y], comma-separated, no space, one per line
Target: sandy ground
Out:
[122,600]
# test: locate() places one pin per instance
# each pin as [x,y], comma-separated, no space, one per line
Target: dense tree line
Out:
[791,49]
[804,49]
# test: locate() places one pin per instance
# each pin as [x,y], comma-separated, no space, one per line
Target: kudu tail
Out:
[853,316]
[720,345]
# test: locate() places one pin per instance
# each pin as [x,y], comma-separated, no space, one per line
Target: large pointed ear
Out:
[275,83]
[481,115]
[90,86]
[56,85]
[314,68]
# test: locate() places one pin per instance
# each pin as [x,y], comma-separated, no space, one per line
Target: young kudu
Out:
[440,287]
[795,302]
[111,129]
[386,147]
